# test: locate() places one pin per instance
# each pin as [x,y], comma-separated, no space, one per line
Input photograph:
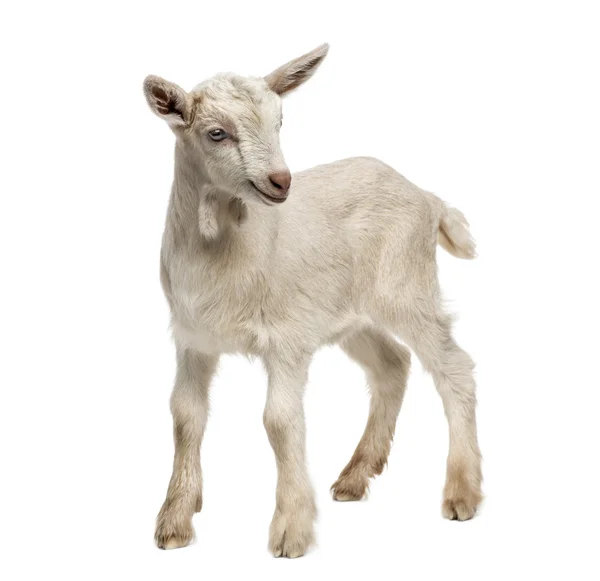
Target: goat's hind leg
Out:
[387,365]
[429,335]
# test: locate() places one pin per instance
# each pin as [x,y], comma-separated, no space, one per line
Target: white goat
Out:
[350,258]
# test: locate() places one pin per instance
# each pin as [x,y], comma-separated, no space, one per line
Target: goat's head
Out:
[230,125]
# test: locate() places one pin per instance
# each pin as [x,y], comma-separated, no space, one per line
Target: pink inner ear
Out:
[165,105]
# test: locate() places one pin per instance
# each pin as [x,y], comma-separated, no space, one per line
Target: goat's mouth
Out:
[264,197]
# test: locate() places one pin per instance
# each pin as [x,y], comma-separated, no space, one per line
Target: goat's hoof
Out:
[347,489]
[462,496]
[291,533]
[168,536]
[173,532]
[344,497]
[461,506]
[458,510]
[168,543]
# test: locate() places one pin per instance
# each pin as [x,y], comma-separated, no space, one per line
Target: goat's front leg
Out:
[291,530]
[189,406]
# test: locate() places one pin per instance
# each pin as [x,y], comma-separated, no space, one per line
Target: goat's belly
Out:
[225,330]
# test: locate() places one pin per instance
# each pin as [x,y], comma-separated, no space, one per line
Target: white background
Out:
[492,105]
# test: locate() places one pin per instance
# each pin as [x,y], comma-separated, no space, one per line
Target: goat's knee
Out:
[277,430]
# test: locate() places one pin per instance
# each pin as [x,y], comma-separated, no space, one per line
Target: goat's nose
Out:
[281,181]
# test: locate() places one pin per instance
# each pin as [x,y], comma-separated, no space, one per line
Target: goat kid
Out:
[349,258]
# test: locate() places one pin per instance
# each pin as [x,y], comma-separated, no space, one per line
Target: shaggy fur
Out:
[349,258]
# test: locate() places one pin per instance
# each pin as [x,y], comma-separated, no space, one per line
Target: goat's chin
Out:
[265,198]
[246,192]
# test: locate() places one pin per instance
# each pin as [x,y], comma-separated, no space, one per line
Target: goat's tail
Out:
[453,231]
[454,235]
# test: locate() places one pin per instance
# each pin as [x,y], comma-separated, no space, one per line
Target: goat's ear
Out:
[291,75]
[168,101]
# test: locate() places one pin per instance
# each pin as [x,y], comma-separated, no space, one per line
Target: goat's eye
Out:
[218,134]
